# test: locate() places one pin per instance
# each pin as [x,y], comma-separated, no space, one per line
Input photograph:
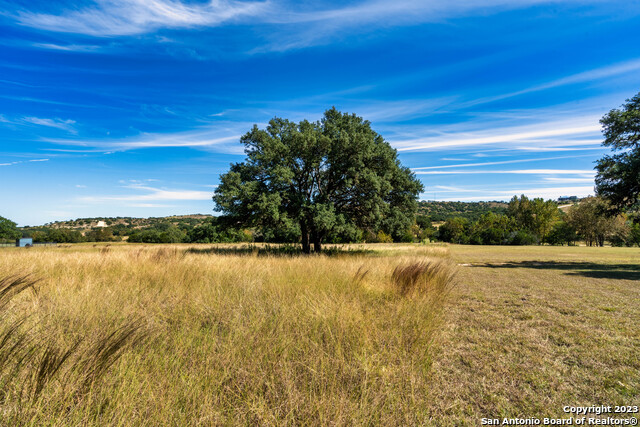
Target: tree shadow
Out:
[577,268]
[278,251]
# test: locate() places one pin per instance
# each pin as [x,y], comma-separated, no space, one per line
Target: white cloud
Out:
[23,161]
[66,125]
[53,123]
[150,194]
[517,171]
[173,140]
[555,134]
[502,162]
[223,138]
[129,17]
[452,189]
[67,47]
[586,76]
[405,109]
[292,24]
[409,11]
[317,26]
[565,180]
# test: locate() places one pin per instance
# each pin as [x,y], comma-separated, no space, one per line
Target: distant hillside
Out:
[108,229]
[441,211]
[128,222]
[436,211]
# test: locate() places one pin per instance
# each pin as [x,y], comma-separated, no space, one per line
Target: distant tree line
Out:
[536,221]
[522,221]
[439,211]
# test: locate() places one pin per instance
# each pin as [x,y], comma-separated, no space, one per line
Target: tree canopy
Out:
[618,178]
[588,220]
[336,175]
[8,229]
[536,216]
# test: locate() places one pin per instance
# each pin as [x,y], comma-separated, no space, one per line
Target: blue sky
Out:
[135,107]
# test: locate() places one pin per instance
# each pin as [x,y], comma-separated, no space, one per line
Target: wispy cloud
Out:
[409,11]
[222,139]
[63,124]
[556,134]
[453,189]
[21,161]
[149,194]
[565,180]
[621,68]
[129,17]
[293,25]
[502,162]
[66,125]
[316,26]
[403,110]
[515,171]
[67,47]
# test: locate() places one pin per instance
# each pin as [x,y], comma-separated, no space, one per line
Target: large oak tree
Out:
[618,178]
[332,176]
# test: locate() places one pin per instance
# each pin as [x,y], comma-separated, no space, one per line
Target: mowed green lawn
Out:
[533,329]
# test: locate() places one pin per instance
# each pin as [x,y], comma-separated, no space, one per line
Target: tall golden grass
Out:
[431,279]
[165,335]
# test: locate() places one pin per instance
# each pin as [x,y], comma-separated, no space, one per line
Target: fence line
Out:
[13,245]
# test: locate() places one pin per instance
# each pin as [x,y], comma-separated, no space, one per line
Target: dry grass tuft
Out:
[166,254]
[425,278]
[360,274]
[48,365]
[106,350]
[12,285]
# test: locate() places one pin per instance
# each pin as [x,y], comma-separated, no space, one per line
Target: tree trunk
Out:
[317,243]
[306,246]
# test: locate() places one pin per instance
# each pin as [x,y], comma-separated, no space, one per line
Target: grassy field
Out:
[210,335]
[532,329]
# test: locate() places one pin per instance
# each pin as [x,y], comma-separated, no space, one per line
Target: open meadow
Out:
[394,334]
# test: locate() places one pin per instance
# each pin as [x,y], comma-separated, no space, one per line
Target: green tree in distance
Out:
[8,229]
[332,176]
[455,230]
[618,178]
[534,215]
[589,220]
